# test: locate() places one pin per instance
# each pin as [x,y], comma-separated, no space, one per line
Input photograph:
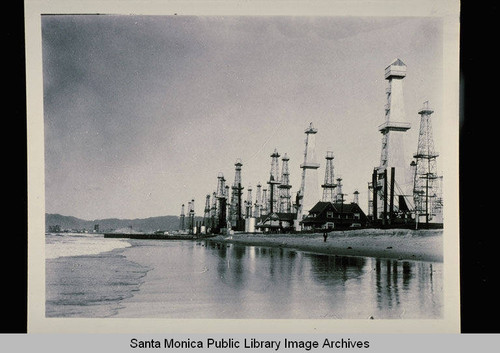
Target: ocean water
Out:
[200,279]
[86,276]
[75,244]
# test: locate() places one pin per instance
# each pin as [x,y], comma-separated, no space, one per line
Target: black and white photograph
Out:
[270,169]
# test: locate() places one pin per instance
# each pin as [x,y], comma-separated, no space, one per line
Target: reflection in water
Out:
[288,283]
[406,274]
[330,270]
[276,283]
[399,284]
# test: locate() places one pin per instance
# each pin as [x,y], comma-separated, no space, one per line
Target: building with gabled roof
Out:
[330,215]
[277,222]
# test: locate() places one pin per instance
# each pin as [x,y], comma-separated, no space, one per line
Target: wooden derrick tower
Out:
[285,204]
[329,183]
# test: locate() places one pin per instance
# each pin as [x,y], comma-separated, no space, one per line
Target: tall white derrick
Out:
[309,187]
[393,153]
[258,201]
[264,209]
[248,203]
[250,219]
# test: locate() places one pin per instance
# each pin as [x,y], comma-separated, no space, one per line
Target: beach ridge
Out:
[400,244]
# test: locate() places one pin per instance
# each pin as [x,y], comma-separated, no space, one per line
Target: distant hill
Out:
[151,224]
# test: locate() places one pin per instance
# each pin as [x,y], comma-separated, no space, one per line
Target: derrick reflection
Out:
[275,282]
[331,269]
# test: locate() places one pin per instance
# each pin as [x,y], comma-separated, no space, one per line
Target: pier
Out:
[156,236]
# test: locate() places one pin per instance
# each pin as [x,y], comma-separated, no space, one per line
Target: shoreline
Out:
[221,282]
[400,244]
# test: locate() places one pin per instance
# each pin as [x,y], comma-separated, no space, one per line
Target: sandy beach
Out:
[400,244]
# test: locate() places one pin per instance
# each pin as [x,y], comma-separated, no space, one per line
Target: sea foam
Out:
[78,245]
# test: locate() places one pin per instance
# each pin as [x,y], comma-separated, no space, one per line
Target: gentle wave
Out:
[78,245]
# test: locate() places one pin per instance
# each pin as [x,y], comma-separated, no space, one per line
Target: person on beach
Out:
[325,235]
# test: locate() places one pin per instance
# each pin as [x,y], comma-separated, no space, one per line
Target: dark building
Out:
[276,222]
[329,215]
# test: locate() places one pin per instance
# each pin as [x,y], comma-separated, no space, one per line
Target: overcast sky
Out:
[142,112]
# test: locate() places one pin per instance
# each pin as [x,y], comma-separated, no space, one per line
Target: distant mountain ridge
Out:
[151,224]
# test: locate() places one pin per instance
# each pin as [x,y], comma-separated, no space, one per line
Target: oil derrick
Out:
[438,204]
[213,212]
[329,184]
[426,191]
[188,225]
[308,193]
[370,199]
[236,218]
[190,220]
[274,182]
[191,225]
[221,215]
[393,158]
[248,203]
[356,197]
[296,203]
[250,219]
[258,201]
[182,219]
[228,207]
[392,154]
[338,191]
[285,205]
[206,215]
[340,200]
[264,210]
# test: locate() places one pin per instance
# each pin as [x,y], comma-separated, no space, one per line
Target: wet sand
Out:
[401,244]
